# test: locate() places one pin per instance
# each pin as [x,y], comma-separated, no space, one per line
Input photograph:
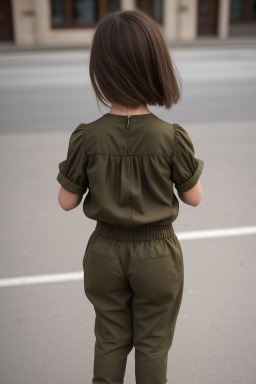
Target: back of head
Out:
[130,64]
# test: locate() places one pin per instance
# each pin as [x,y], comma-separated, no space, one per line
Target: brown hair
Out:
[130,63]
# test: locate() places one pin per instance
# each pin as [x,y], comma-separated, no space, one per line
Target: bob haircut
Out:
[130,64]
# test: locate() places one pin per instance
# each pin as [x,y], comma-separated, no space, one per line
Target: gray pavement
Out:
[47,330]
[206,42]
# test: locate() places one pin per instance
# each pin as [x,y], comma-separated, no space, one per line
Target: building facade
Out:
[72,22]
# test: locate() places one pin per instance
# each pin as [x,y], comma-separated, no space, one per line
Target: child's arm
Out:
[72,174]
[68,200]
[193,196]
[186,168]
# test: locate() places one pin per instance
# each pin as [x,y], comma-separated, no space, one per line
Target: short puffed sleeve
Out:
[185,168]
[72,171]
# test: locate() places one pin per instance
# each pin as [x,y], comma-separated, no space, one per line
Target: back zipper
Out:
[128,121]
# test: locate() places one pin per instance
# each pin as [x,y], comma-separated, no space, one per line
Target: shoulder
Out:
[92,126]
[166,126]
[166,129]
[79,130]
[78,133]
[94,123]
[177,136]
[180,133]
[162,122]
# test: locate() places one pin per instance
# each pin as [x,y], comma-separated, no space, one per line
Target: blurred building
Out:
[72,22]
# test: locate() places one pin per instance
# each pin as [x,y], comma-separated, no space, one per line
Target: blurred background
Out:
[47,323]
[72,22]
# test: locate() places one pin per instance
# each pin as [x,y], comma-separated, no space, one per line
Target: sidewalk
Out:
[200,42]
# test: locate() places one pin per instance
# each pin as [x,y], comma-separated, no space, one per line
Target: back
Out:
[130,165]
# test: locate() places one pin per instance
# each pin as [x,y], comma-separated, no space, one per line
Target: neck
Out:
[121,110]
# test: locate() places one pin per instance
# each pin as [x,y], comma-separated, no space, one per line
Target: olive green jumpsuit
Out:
[133,261]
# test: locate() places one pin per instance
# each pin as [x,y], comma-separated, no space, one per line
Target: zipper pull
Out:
[128,121]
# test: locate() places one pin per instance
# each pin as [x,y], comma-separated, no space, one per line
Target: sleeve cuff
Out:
[70,185]
[193,180]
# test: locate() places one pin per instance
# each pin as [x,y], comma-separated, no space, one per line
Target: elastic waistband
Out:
[140,233]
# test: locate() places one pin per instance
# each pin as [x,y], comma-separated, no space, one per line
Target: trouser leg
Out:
[107,288]
[156,278]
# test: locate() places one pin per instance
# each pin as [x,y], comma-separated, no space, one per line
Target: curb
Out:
[201,42]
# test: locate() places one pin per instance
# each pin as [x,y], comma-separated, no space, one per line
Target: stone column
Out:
[187,24]
[24,25]
[127,5]
[223,19]
[170,20]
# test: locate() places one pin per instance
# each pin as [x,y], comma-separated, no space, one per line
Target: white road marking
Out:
[74,276]
[41,279]
[210,233]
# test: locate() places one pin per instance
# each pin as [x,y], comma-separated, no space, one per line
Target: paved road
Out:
[47,329]
[49,92]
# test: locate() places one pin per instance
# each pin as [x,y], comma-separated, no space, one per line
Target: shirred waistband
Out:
[139,233]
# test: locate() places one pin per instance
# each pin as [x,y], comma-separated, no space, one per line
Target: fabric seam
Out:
[114,154]
[84,139]
[175,142]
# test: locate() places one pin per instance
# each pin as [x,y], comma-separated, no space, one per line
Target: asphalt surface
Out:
[47,330]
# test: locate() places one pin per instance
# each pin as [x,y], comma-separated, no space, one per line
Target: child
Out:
[130,159]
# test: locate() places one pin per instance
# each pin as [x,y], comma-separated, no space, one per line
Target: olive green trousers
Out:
[134,278]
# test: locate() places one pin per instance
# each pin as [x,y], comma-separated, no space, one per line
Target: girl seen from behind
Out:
[130,161]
